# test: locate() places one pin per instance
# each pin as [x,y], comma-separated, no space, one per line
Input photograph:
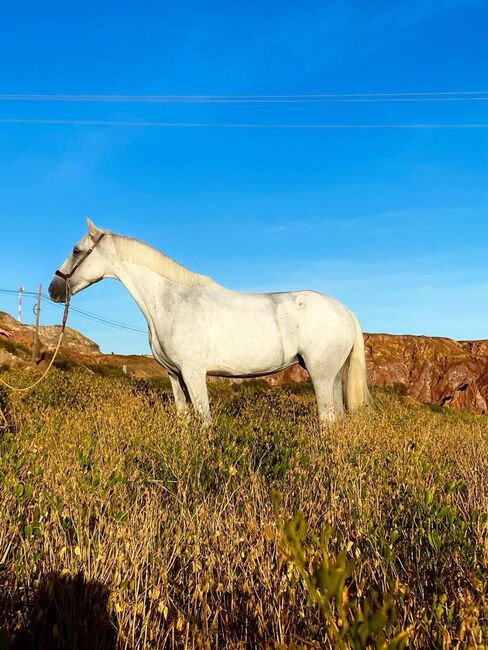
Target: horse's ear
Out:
[92,229]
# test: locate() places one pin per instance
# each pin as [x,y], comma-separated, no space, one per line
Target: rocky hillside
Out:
[24,334]
[437,370]
[16,341]
[428,369]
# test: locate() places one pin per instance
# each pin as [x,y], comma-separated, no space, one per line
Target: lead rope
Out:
[25,389]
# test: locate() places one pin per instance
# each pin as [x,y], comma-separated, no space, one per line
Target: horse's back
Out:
[308,310]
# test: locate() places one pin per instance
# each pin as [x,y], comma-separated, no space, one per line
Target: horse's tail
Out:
[356,391]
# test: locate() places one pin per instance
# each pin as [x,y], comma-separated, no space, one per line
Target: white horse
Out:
[198,327]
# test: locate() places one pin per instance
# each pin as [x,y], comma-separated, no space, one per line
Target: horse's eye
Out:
[76,250]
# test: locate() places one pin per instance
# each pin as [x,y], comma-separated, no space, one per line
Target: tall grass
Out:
[125,527]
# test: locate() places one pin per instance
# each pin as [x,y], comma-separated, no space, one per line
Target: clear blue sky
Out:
[393,223]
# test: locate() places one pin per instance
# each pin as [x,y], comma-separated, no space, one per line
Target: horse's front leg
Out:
[196,384]
[182,399]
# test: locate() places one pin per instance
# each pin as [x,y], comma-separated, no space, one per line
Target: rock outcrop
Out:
[431,369]
[48,335]
[76,350]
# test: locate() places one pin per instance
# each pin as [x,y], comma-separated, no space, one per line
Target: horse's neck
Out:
[146,287]
[135,251]
[147,273]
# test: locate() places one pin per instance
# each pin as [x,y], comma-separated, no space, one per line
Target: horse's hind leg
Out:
[324,392]
[338,392]
[324,384]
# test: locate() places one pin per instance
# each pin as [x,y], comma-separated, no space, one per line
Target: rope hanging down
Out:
[25,389]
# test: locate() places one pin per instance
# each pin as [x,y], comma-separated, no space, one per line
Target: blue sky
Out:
[393,223]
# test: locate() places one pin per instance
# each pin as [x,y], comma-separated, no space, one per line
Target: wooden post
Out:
[35,349]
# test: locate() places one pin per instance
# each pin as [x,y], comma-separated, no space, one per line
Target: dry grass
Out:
[122,527]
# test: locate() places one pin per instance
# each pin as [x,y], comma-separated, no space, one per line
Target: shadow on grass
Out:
[66,612]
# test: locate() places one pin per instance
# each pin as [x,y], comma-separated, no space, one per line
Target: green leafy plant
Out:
[351,623]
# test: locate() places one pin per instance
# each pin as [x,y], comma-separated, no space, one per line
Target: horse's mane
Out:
[133,250]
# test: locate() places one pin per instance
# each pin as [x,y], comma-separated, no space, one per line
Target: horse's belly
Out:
[252,370]
[260,349]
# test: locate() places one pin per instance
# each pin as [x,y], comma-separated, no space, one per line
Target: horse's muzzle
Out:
[57,289]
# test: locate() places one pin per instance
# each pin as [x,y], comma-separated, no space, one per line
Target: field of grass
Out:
[124,527]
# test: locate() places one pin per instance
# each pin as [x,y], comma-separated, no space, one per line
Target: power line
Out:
[226,125]
[435,96]
[82,312]
[100,319]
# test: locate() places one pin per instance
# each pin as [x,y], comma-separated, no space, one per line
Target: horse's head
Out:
[84,266]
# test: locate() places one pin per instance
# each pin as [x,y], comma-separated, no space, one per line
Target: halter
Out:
[68,276]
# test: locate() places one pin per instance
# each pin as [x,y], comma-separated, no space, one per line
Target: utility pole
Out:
[21,291]
[37,311]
